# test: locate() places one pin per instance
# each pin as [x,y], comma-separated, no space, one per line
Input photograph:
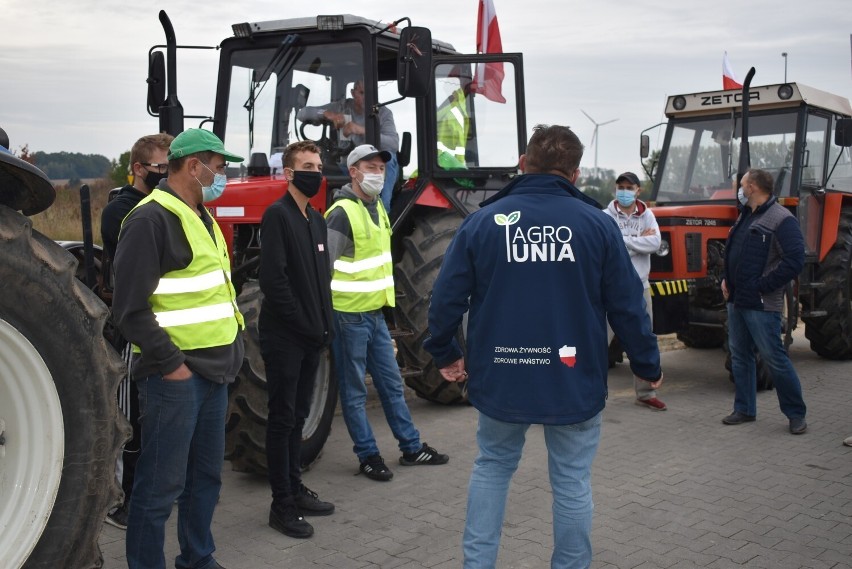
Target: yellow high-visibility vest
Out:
[453,126]
[197,305]
[364,282]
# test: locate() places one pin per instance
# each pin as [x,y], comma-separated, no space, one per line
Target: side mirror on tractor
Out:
[843,133]
[156,82]
[414,64]
[644,146]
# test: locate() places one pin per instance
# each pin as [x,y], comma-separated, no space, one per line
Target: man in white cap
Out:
[175,303]
[361,286]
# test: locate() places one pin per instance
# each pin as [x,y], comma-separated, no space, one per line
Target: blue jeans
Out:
[750,329]
[570,452]
[183,445]
[362,343]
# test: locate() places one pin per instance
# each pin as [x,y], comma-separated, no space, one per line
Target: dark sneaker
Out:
[288,521]
[374,467]
[426,455]
[737,418]
[309,503]
[798,425]
[118,518]
[653,404]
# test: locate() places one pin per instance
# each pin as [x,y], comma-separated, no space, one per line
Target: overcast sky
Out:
[72,72]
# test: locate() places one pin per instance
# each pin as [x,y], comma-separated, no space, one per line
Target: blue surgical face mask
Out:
[214,190]
[742,197]
[625,198]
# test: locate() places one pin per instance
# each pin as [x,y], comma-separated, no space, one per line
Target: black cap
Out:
[630,177]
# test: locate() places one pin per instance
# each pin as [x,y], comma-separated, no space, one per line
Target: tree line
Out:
[74,166]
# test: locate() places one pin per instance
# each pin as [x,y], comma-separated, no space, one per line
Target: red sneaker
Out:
[653,404]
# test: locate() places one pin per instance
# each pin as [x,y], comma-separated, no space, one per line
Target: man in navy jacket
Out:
[765,251]
[540,268]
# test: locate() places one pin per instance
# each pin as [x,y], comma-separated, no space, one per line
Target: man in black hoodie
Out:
[295,326]
[149,164]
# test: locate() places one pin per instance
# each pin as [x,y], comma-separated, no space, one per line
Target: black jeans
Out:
[290,376]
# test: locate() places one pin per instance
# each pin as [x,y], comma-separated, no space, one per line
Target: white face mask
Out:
[742,197]
[372,184]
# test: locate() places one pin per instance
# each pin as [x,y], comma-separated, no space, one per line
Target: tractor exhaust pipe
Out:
[745,156]
[171,112]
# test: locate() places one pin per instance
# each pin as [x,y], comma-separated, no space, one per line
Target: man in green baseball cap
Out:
[174,301]
[195,140]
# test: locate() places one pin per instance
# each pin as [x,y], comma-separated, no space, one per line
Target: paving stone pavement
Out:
[676,489]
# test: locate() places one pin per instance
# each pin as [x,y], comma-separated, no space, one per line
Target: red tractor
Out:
[801,136]
[268,71]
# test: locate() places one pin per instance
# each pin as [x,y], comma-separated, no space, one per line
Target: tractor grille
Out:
[692,242]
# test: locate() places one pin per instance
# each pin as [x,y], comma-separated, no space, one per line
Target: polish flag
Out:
[568,356]
[729,80]
[488,80]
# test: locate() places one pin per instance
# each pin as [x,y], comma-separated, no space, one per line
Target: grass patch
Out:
[62,221]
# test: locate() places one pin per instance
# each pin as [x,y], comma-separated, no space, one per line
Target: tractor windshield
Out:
[701,154]
[279,95]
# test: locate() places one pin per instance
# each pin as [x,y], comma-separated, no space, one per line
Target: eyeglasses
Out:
[160,168]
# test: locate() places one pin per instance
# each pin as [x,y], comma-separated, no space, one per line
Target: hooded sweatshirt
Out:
[540,269]
[638,246]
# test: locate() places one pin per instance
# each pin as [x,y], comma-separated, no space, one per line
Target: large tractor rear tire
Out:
[831,335]
[245,432]
[61,431]
[415,275]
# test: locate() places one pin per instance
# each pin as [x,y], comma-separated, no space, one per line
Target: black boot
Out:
[287,520]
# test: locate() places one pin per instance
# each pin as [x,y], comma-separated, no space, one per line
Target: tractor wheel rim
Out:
[33,443]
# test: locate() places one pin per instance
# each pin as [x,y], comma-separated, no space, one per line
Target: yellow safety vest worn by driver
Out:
[364,282]
[196,306]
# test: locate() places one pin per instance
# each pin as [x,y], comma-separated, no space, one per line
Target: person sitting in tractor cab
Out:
[348,117]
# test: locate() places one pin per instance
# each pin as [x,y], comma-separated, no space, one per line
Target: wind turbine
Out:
[595,137]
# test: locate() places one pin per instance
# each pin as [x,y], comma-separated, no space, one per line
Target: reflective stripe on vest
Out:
[364,282]
[196,306]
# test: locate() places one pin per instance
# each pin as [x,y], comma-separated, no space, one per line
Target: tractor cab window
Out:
[840,159]
[813,157]
[476,120]
[703,154]
[279,95]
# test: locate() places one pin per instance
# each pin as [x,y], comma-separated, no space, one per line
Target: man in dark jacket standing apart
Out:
[765,251]
[541,269]
[174,301]
[295,327]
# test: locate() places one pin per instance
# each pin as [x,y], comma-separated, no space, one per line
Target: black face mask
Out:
[307,182]
[152,179]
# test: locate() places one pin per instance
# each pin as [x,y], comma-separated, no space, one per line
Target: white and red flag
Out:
[729,79]
[489,76]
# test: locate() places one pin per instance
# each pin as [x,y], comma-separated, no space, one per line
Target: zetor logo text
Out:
[727,98]
[536,243]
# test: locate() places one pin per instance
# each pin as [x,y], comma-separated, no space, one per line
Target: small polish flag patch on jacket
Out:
[320,247]
[568,355]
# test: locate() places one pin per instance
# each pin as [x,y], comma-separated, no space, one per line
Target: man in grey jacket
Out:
[641,236]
